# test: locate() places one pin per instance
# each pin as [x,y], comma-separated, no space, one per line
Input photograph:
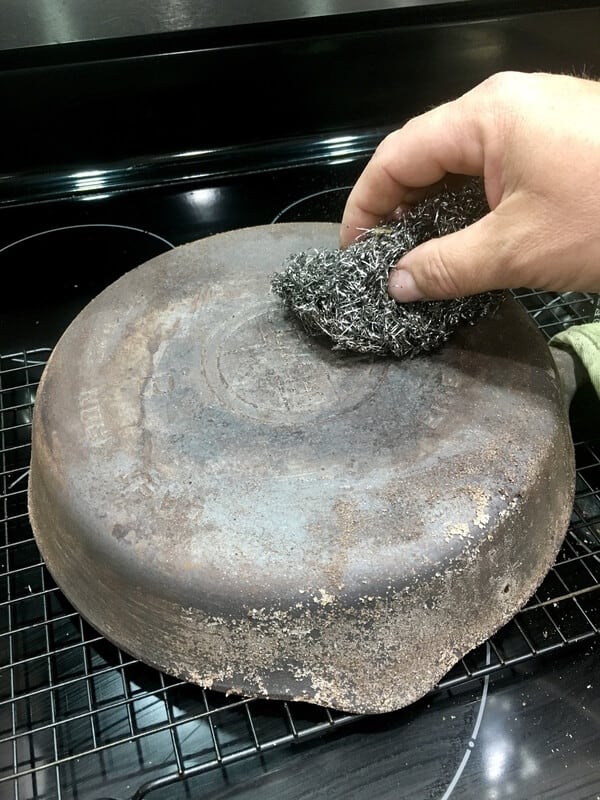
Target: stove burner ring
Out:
[63,228]
[325,205]
[478,720]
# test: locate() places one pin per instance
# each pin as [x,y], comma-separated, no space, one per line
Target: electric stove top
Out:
[77,247]
[518,717]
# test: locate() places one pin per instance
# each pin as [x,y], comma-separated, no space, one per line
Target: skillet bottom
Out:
[232,502]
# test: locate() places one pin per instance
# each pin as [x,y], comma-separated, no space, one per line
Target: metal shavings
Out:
[343,294]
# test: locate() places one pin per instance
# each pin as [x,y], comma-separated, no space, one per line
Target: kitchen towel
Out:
[584,341]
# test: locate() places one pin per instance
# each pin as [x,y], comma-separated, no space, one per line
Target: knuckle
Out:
[411,123]
[503,84]
[502,98]
[388,144]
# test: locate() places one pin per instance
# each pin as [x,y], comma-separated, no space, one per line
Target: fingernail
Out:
[402,287]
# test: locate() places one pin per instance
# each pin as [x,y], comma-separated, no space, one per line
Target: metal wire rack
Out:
[80,718]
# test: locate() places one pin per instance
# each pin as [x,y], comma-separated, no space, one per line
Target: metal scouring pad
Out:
[343,294]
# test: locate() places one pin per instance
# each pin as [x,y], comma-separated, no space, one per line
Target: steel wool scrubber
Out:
[343,294]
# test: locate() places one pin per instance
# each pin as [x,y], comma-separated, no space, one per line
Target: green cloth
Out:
[584,341]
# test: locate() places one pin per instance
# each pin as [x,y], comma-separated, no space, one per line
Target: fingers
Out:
[463,263]
[453,183]
[448,139]
[533,138]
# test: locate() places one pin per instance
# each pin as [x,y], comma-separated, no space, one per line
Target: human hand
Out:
[535,139]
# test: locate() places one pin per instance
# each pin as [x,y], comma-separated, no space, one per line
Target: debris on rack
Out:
[343,294]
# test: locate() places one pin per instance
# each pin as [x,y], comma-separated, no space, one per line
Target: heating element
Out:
[81,719]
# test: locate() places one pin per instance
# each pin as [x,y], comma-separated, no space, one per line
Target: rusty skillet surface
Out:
[237,505]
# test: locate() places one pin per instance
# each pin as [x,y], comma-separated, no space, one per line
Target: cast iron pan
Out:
[234,503]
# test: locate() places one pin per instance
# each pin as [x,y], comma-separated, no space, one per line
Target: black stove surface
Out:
[80,246]
[81,720]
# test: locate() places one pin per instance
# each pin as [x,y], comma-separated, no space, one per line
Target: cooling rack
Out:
[81,719]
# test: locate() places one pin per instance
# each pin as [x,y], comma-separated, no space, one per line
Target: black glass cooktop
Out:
[113,154]
[55,256]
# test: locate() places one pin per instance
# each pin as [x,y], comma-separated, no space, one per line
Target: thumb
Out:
[462,263]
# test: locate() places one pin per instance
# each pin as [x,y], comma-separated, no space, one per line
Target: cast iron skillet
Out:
[236,504]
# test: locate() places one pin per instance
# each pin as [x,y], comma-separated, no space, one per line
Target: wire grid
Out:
[80,718]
